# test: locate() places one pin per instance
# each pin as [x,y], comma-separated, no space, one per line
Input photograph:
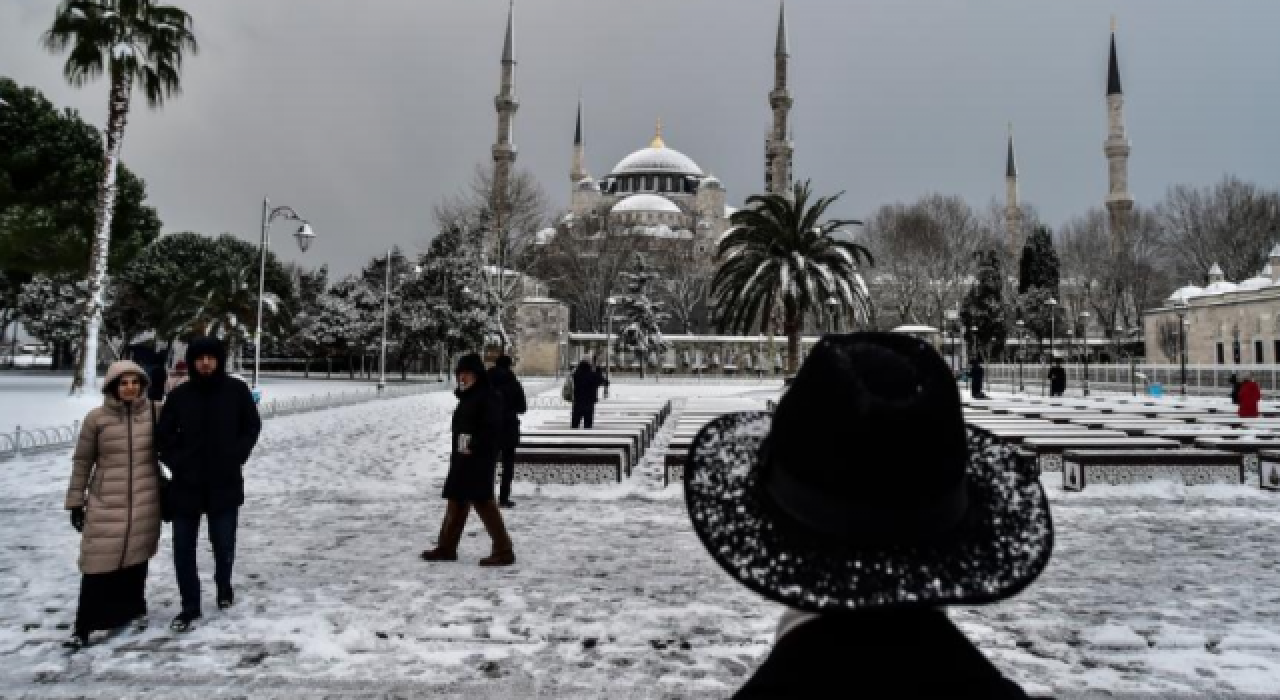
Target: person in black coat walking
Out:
[207,430]
[1234,382]
[1057,379]
[477,436]
[504,382]
[977,375]
[586,389]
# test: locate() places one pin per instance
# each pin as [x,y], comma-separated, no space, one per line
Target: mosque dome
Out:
[586,184]
[1185,294]
[710,182]
[645,203]
[657,158]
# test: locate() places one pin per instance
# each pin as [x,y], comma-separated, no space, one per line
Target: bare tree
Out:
[1233,224]
[523,214]
[924,255]
[683,287]
[582,265]
[1169,340]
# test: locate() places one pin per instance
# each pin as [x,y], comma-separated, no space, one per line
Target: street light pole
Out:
[1180,308]
[304,236]
[1053,318]
[1084,339]
[386,309]
[1022,330]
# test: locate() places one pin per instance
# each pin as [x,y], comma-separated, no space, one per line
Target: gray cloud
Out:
[362,115]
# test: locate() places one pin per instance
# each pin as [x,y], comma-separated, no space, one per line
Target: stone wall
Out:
[1237,323]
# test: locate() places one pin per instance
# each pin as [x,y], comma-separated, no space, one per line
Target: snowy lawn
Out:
[35,401]
[1157,589]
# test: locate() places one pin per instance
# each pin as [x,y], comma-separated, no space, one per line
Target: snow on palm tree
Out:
[779,255]
[642,318]
[132,41]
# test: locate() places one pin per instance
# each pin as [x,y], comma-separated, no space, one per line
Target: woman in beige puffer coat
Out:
[114,499]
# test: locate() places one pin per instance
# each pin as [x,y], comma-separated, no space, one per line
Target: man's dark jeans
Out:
[222,535]
[583,414]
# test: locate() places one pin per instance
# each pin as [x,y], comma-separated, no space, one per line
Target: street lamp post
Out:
[1022,334]
[953,320]
[1053,317]
[608,341]
[833,308]
[1084,340]
[386,313]
[1180,307]
[304,235]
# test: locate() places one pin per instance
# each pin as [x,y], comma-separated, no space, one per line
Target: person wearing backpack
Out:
[584,385]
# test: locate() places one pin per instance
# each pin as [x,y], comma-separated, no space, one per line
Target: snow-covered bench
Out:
[1249,447]
[571,444]
[574,465]
[1047,451]
[1082,467]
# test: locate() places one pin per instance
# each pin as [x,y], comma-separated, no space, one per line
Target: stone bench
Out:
[646,430]
[1047,451]
[1083,467]
[549,465]
[635,436]
[570,444]
[1249,446]
[1018,435]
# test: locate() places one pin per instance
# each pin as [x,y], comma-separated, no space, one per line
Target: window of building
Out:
[1258,352]
[1222,355]
[1235,352]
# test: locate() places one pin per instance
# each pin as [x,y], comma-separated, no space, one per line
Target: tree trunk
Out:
[117,115]
[791,325]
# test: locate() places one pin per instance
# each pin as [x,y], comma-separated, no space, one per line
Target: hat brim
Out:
[1001,546]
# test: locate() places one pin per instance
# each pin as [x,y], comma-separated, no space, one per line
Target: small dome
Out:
[586,184]
[657,160]
[1255,283]
[1219,288]
[710,182]
[646,203]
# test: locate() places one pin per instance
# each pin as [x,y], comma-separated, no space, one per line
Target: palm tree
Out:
[132,41]
[779,255]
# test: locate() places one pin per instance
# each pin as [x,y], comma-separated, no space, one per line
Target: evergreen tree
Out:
[1039,265]
[640,332]
[984,305]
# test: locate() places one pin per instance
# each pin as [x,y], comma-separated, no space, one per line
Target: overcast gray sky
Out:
[363,114]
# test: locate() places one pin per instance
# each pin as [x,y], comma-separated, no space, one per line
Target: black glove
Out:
[77,519]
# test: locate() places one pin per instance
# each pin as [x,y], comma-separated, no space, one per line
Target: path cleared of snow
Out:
[1155,589]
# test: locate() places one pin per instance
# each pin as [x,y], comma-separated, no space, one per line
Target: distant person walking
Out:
[476,438]
[1249,396]
[207,431]
[1057,378]
[114,500]
[1234,382]
[504,382]
[977,373]
[178,378]
[586,389]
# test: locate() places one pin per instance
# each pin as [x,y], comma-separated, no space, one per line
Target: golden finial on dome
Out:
[657,141]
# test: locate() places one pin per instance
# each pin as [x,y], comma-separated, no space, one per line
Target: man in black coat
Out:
[207,430]
[476,435]
[504,382]
[977,375]
[1057,379]
[586,389]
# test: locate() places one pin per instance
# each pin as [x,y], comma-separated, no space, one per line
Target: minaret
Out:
[504,149]
[579,170]
[778,147]
[1012,209]
[1119,201]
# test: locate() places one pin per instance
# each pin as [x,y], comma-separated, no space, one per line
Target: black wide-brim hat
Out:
[864,489]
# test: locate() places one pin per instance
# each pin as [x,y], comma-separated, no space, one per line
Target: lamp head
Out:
[304,236]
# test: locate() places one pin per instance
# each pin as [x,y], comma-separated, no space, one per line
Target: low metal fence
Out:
[22,441]
[1200,380]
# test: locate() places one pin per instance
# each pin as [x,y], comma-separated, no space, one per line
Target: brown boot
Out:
[503,554]
[455,519]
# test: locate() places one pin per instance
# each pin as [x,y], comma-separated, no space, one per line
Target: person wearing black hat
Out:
[865,505]
[476,439]
[205,435]
[504,382]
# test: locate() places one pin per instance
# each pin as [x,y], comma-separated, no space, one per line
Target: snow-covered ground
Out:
[35,401]
[1158,590]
